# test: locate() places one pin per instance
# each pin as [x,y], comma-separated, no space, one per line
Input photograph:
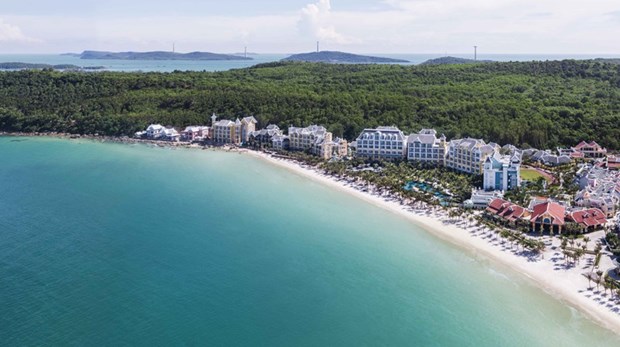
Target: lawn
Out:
[530,175]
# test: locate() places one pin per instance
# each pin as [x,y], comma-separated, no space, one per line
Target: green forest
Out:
[532,104]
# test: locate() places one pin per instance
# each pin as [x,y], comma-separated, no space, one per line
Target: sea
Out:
[183,65]
[105,244]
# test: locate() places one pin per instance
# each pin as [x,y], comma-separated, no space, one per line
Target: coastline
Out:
[565,284]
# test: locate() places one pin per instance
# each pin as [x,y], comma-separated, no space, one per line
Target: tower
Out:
[213,119]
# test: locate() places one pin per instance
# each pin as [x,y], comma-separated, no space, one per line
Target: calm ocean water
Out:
[172,65]
[109,244]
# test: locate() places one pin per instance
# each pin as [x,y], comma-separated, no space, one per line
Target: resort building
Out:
[590,149]
[469,155]
[264,137]
[170,134]
[195,133]
[547,158]
[280,142]
[426,147]
[341,148]
[507,211]
[154,131]
[587,220]
[159,132]
[502,172]
[613,162]
[387,143]
[571,153]
[599,188]
[308,139]
[229,132]
[548,216]
[481,198]
[337,148]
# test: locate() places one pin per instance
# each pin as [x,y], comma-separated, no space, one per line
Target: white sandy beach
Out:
[548,272]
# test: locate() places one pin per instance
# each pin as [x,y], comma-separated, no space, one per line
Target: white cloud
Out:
[396,26]
[12,33]
[316,21]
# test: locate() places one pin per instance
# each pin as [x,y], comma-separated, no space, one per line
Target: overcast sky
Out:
[291,26]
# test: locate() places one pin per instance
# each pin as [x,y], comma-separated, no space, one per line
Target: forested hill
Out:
[340,57]
[541,104]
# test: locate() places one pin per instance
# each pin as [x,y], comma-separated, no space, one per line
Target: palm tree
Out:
[586,240]
[589,277]
[600,274]
[564,243]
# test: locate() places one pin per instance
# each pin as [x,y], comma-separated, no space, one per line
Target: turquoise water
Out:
[109,244]
[172,65]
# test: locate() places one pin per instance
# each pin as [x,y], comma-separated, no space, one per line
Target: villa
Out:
[154,131]
[502,172]
[468,155]
[387,143]
[426,147]
[195,133]
[170,134]
[229,132]
[159,132]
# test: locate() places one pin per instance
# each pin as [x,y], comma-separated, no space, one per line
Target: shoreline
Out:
[564,283]
[567,285]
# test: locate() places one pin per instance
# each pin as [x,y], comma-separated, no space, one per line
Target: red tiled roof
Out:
[506,209]
[591,144]
[554,209]
[576,155]
[496,205]
[513,212]
[589,217]
[581,145]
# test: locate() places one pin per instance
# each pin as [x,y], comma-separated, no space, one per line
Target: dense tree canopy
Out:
[539,104]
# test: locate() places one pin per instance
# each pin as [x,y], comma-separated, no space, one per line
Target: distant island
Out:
[453,60]
[158,55]
[340,57]
[26,66]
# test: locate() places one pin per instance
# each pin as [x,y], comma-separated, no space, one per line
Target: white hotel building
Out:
[382,143]
[502,172]
[426,147]
[468,155]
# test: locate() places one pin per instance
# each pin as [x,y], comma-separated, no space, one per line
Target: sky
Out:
[293,26]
